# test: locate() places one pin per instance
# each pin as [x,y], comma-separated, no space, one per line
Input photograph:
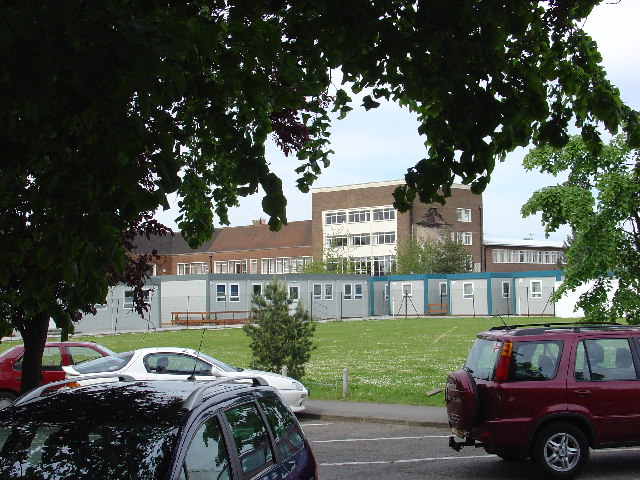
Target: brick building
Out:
[356,223]
[359,222]
[249,249]
[522,255]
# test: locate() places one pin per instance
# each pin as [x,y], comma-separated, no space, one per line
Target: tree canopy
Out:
[443,255]
[108,106]
[600,201]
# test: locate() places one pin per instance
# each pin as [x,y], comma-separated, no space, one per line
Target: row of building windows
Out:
[268,265]
[350,291]
[377,265]
[527,256]
[359,216]
[360,239]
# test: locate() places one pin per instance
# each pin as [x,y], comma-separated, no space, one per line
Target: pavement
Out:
[375,413]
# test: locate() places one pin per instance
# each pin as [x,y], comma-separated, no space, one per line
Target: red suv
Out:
[549,392]
[56,354]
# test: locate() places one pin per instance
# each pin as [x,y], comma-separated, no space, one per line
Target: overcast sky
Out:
[381,144]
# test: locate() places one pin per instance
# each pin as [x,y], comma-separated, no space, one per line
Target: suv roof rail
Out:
[195,398]
[38,391]
[560,325]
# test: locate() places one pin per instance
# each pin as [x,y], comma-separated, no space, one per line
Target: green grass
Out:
[389,361]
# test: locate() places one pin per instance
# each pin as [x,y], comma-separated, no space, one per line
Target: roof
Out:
[259,237]
[372,185]
[233,239]
[523,243]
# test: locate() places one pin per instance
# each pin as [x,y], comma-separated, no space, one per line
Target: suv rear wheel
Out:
[560,450]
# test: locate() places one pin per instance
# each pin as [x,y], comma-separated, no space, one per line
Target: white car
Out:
[169,363]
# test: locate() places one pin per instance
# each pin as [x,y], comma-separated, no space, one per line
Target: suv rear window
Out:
[529,361]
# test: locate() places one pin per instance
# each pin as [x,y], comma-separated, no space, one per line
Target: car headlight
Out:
[297,386]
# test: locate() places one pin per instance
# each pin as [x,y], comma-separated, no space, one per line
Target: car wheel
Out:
[6,398]
[560,451]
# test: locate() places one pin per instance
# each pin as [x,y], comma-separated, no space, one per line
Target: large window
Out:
[193,268]
[360,239]
[332,218]
[503,255]
[337,241]
[384,238]
[463,214]
[359,216]
[464,238]
[220,267]
[386,213]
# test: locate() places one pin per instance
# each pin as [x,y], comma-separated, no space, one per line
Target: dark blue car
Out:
[158,430]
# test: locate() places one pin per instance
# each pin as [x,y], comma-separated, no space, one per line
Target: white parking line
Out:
[409,460]
[378,439]
[314,424]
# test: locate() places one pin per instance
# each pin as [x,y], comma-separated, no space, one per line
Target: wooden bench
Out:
[437,309]
[238,317]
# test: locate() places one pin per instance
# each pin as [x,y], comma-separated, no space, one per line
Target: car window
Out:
[482,358]
[176,364]
[288,437]
[604,359]
[79,354]
[67,450]
[534,361]
[251,438]
[207,457]
[105,364]
[51,360]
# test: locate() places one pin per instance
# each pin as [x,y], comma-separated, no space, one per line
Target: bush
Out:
[279,338]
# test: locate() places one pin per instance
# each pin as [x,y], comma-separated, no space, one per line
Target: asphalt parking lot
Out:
[358,450]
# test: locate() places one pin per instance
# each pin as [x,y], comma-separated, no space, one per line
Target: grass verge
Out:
[389,361]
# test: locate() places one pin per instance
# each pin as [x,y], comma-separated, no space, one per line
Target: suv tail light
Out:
[502,370]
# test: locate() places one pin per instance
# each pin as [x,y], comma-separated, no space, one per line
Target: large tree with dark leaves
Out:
[101,97]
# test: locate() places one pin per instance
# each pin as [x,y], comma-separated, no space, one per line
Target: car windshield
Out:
[69,450]
[105,364]
[221,365]
[482,358]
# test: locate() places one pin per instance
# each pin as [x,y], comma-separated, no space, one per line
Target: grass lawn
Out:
[389,361]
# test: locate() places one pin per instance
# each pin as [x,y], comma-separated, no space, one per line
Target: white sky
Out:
[381,144]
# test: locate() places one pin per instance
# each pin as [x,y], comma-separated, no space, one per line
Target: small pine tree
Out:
[279,338]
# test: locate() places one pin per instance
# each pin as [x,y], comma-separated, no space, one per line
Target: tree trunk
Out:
[34,336]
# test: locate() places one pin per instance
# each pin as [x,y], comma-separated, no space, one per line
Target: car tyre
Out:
[560,450]
[6,398]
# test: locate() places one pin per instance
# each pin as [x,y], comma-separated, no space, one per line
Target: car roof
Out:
[138,401]
[558,329]
[146,350]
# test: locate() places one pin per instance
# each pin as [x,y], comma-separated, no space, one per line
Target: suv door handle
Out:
[583,393]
